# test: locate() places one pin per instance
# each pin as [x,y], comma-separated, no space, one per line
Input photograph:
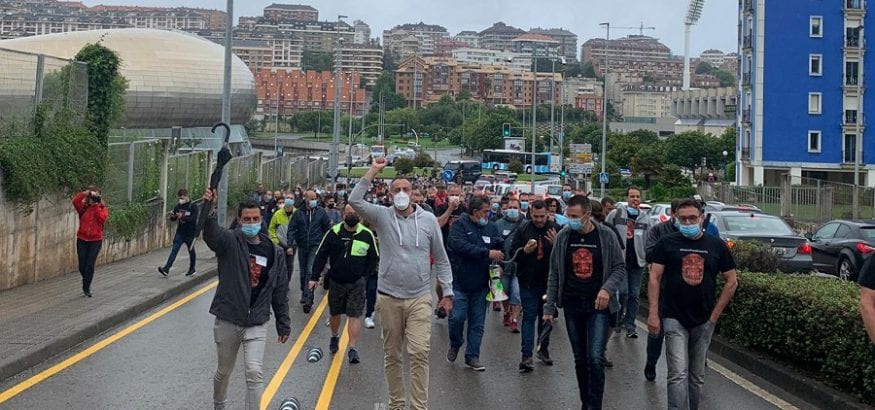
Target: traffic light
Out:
[505,130]
[563,173]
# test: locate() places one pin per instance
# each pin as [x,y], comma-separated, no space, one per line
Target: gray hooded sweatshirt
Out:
[406,245]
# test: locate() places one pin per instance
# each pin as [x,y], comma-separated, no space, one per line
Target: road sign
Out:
[603,177]
[581,154]
[579,169]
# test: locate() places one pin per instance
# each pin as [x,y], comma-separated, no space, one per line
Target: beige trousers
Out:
[408,319]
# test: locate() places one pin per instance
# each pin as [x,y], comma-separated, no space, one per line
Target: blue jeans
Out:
[685,353]
[178,241]
[470,306]
[306,257]
[632,297]
[588,334]
[371,295]
[512,287]
[533,311]
[654,346]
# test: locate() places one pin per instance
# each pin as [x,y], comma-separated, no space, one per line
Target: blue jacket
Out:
[469,247]
[308,226]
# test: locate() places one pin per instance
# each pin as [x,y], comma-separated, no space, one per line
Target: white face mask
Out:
[401,201]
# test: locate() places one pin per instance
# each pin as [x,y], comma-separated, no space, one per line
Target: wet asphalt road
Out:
[169,364]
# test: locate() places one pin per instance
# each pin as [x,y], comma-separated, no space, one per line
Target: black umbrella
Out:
[222,159]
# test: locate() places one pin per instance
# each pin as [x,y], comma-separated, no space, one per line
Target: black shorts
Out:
[346,298]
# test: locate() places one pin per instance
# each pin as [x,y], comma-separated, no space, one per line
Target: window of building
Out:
[814,141]
[814,64]
[815,28]
[814,106]
[850,148]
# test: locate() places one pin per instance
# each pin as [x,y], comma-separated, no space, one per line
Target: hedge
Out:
[808,322]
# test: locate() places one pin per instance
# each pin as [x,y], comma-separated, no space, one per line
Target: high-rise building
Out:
[710,110]
[398,39]
[714,57]
[623,51]
[805,118]
[499,37]
[517,61]
[567,41]
[540,45]
[287,91]
[472,38]
[363,59]
[257,54]
[362,32]
[279,12]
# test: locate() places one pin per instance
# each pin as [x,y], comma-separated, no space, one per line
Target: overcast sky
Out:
[716,29]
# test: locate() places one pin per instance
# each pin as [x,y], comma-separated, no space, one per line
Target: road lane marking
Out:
[325,397]
[741,381]
[78,357]
[287,363]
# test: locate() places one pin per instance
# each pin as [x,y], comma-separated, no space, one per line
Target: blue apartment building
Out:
[803,91]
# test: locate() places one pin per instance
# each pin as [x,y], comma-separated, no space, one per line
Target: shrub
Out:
[403,166]
[515,165]
[752,256]
[423,160]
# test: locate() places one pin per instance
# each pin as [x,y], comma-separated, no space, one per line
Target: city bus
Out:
[498,160]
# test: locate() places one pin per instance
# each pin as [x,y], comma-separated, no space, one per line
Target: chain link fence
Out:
[276,173]
[133,171]
[189,171]
[242,174]
[31,84]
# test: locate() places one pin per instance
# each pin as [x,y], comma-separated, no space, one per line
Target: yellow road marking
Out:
[286,365]
[78,357]
[334,372]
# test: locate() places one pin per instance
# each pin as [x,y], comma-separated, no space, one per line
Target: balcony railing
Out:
[745,153]
[850,117]
[851,80]
[852,42]
[746,79]
[745,116]
[747,41]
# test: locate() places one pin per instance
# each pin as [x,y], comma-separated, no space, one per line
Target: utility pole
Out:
[335,142]
[534,115]
[222,206]
[858,149]
[605,108]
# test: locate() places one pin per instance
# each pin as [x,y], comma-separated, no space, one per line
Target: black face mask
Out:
[351,220]
[330,206]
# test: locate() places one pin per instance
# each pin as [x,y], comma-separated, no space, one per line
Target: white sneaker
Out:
[369,322]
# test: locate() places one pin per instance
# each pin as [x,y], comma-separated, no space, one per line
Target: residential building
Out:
[472,38]
[446,46]
[585,93]
[730,63]
[397,40]
[257,54]
[279,12]
[624,51]
[499,37]
[424,80]
[483,56]
[28,24]
[287,91]
[645,103]
[804,118]
[362,32]
[567,41]
[540,45]
[364,59]
[712,110]
[321,36]
[714,57]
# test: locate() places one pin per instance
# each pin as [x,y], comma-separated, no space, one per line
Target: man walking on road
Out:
[93,213]
[474,244]
[306,229]
[507,227]
[623,218]
[681,291]
[278,229]
[586,270]
[351,250]
[408,237]
[536,238]
[185,213]
[252,280]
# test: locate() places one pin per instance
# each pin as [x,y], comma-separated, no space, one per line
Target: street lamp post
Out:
[725,155]
[534,116]
[605,107]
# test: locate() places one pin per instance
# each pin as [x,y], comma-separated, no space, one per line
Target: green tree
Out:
[385,87]
[423,160]
[727,79]
[317,61]
[483,130]
[106,89]
[515,165]
[403,166]
[588,70]
[705,68]
[406,116]
[687,149]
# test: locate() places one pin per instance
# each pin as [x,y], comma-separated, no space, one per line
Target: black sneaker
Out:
[452,354]
[87,294]
[191,273]
[526,365]
[164,271]
[544,357]
[474,363]
[353,356]
[650,372]
[334,345]
[631,334]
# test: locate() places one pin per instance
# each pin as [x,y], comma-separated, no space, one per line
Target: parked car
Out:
[711,206]
[658,213]
[461,172]
[625,172]
[793,251]
[505,176]
[840,247]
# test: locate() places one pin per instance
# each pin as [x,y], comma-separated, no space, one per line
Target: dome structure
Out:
[174,78]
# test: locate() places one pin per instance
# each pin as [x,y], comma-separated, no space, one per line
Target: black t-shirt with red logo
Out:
[584,266]
[689,289]
[260,261]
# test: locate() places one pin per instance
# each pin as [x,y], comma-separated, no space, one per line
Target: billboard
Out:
[515,144]
[581,159]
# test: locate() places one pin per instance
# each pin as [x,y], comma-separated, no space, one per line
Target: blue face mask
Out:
[524,205]
[313,204]
[574,224]
[566,195]
[512,214]
[482,221]
[690,231]
[632,211]
[496,207]
[251,230]
[561,220]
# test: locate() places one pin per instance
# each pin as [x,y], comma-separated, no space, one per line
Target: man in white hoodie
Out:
[409,237]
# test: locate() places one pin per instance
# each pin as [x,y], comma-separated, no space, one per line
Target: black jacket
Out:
[350,261]
[469,247]
[188,224]
[234,293]
[531,272]
[308,226]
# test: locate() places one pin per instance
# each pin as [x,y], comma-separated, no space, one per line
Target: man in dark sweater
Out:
[252,280]
[535,238]
[351,250]
[306,229]
[186,215]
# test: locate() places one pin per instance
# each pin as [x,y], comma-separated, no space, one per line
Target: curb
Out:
[786,378]
[19,364]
